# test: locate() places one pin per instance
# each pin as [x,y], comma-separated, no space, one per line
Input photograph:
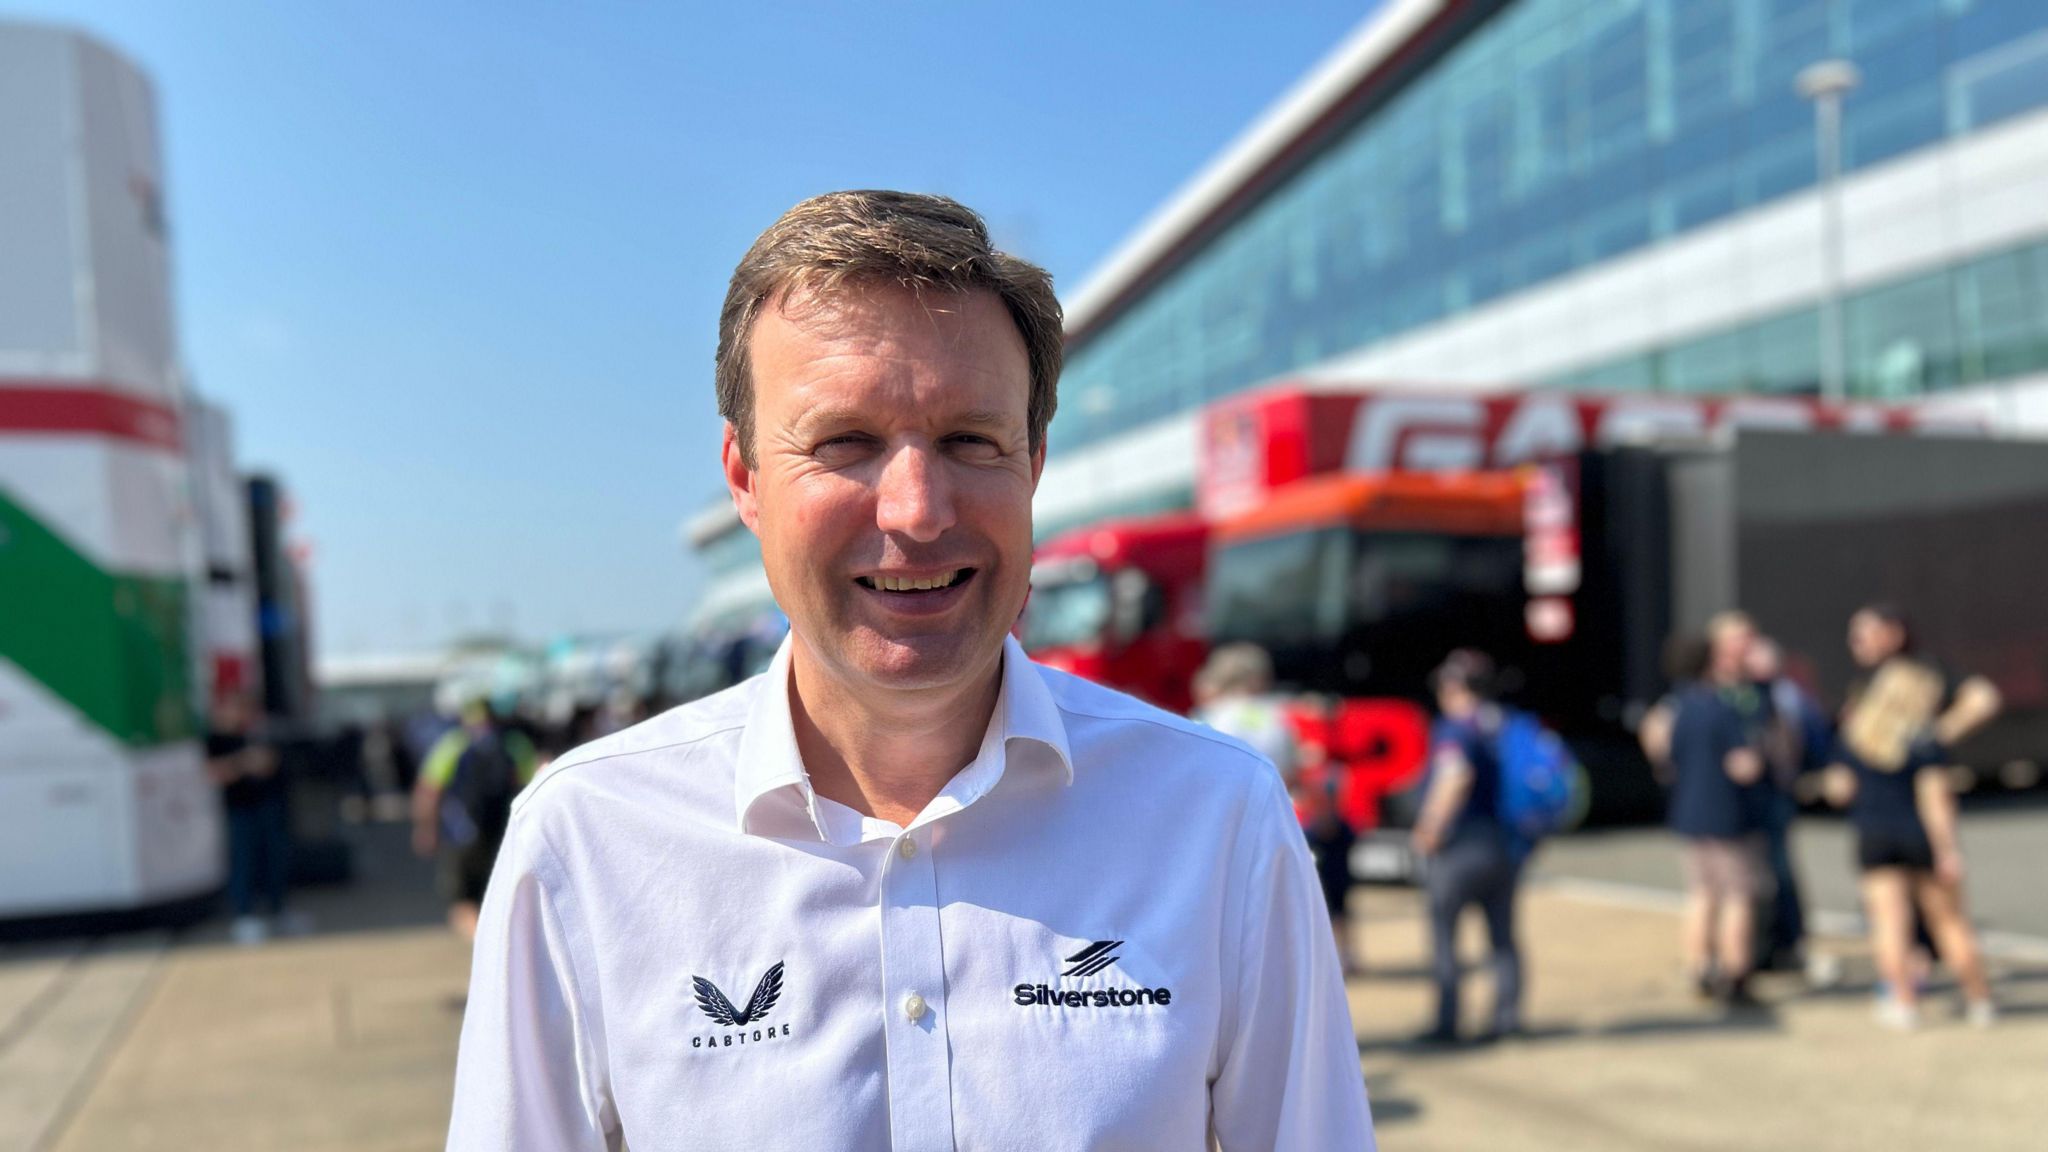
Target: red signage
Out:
[1257,442]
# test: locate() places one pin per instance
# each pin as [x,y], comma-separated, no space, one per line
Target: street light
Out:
[1825,84]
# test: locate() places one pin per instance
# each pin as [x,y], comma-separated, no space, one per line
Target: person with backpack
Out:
[462,805]
[1496,783]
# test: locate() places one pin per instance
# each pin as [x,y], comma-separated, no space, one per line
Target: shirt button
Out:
[913,1007]
[906,848]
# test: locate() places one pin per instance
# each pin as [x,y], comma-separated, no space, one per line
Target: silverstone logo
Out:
[715,1005]
[1087,962]
[1092,959]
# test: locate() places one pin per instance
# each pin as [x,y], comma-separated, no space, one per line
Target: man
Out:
[1234,694]
[463,802]
[1472,860]
[244,767]
[1782,944]
[905,890]
[1719,736]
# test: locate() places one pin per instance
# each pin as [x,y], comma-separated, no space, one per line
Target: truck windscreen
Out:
[1066,612]
[1352,611]
[1279,591]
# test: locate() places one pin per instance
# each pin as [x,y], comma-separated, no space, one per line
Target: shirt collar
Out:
[772,791]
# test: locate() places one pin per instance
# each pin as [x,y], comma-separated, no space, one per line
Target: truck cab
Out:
[1119,603]
[1357,585]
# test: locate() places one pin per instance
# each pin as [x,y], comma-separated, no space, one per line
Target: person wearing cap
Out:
[904,890]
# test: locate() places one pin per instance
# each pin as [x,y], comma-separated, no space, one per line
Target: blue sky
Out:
[455,267]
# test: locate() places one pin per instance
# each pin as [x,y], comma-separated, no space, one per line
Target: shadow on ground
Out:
[1748,1020]
[387,887]
[1388,1106]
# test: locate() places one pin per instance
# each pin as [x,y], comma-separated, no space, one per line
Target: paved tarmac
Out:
[2005,843]
[346,1040]
[1624,1057]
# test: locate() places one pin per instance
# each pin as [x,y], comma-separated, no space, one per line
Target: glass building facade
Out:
[1557,134]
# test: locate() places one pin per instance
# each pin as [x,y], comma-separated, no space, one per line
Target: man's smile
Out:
[930,593]
[913,582]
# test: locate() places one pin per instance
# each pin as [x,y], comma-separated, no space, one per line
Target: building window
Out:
[1562,133]
[1986,320]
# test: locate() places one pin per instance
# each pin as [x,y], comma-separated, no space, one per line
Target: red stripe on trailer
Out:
[46,407]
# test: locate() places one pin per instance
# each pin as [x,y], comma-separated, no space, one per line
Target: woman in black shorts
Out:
[1897,725]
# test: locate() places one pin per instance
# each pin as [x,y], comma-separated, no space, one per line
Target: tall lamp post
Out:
[1825,84]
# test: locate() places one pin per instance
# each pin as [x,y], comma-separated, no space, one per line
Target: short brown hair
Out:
[918,241]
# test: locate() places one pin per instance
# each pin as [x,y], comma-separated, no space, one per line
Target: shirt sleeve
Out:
[528,1076]
[1289,1078]
[525,757]
[439,767]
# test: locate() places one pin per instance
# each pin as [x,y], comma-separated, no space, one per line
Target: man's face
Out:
[231,712]
[893,479]
[1872,639]
[1731,643]
[1763,661]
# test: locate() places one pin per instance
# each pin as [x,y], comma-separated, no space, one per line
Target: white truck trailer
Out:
[104,805]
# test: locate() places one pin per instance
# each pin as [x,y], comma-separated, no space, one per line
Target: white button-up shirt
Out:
[1104,933]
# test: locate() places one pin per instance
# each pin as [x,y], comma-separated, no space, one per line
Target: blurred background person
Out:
[1233,692]
[1799,732]
[244,765]
[1469,858]
[1702,731]
[1684,663]
[1902,717]
[463,803]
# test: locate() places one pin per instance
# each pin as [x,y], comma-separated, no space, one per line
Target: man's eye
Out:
[973,445]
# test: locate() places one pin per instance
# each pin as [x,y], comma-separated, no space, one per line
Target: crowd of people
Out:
[1738,742]
[461,774]
[1740,745]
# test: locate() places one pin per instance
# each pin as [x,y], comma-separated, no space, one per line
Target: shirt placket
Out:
[914,992]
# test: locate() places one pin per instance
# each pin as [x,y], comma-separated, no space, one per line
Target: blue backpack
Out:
[1542,788]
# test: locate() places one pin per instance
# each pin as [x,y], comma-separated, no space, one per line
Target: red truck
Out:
[1358,536]
[1120,603]
[1357,585]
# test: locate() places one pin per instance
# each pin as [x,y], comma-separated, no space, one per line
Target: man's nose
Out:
[915,498]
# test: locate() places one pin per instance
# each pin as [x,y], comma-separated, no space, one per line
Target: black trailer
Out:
[1800,530]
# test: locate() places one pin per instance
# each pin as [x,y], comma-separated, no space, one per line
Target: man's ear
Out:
[739,480]
[1037,464]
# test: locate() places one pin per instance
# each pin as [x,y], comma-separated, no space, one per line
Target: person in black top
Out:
[259,833]
[1900,719]
[1458,832]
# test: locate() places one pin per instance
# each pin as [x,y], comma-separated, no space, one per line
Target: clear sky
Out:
[455,267]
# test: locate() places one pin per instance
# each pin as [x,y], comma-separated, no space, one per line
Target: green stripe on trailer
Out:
[112,646]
